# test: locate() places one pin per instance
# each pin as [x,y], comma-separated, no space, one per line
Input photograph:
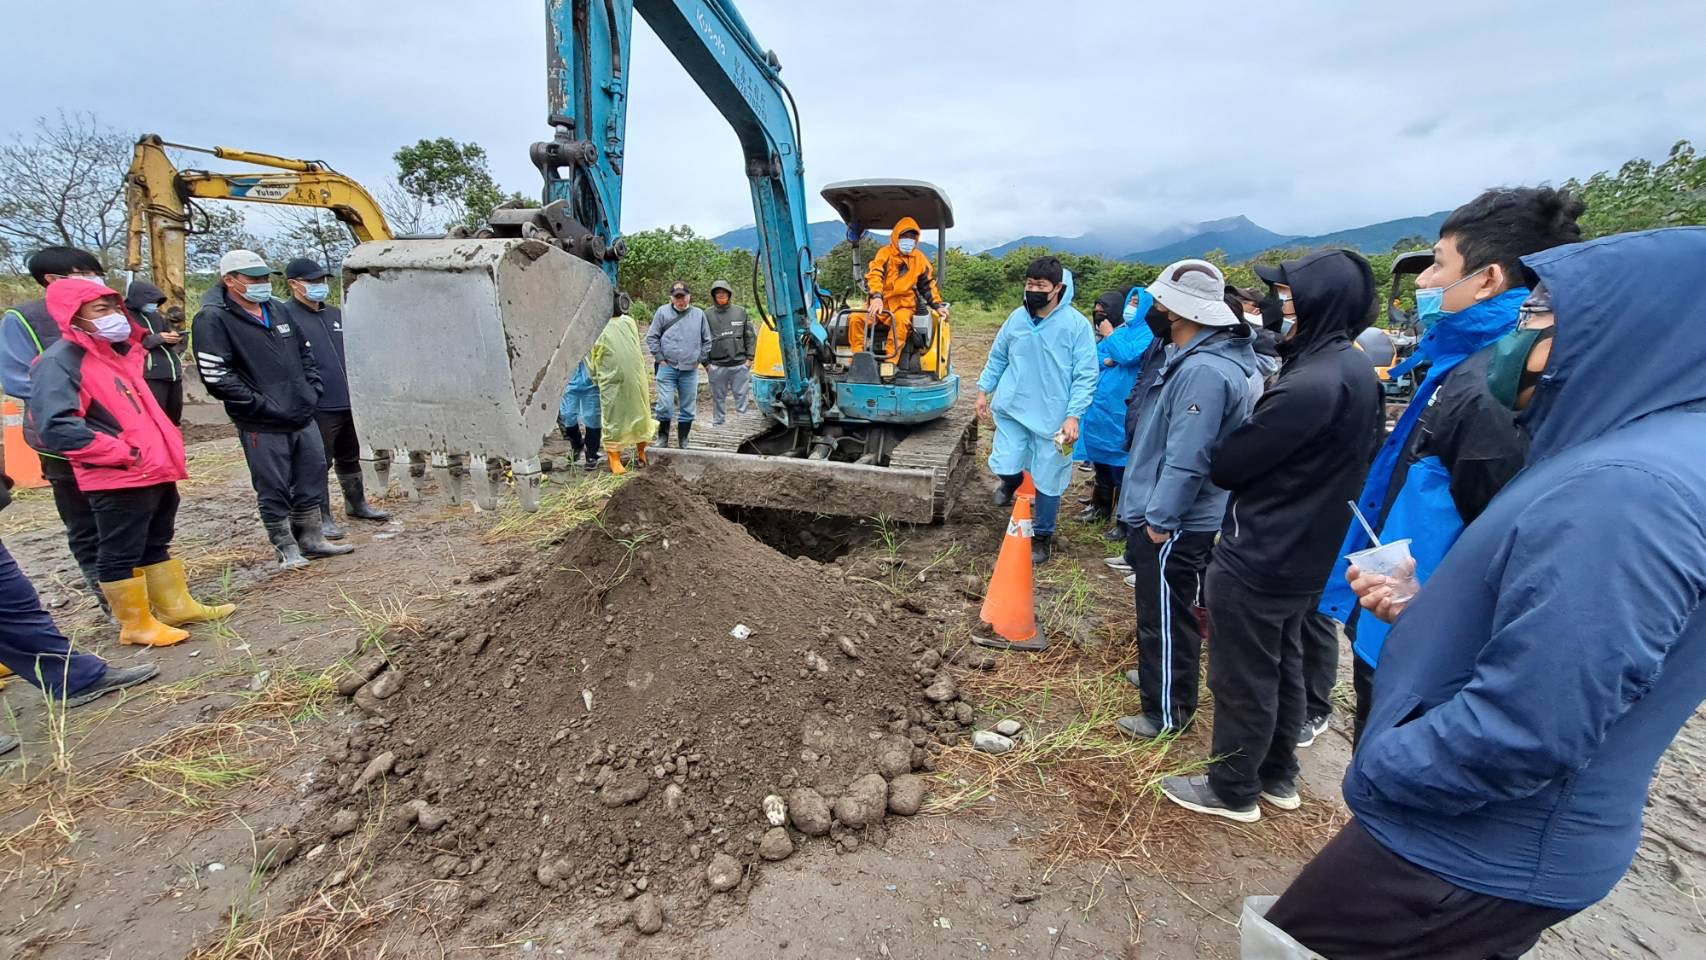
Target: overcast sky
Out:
[1056,118]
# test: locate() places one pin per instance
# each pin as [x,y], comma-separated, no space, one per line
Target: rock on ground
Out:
[991,742]
[809,812]
[906,795]
[647,913]
[865,801]
[724,873]
[776,845]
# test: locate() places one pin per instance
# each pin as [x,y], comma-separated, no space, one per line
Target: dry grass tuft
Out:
[562,508]
[330,924]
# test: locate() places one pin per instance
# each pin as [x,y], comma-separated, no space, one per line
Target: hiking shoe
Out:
[113,679]
[1193,793]
[1132,677]
[1282,794]
[8,743]
[1131,580]
[1115,533]
[1138,727]
[1042,547]
[1117,563]
[1312,728]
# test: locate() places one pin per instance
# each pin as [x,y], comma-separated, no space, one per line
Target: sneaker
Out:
[1138,727]
[1131,580]
[1193,793]
[114,679]
[1282,794]
[1042,547]
[1135,679]
[8,743]
[1117,563]
[1115,534]
[1312,728]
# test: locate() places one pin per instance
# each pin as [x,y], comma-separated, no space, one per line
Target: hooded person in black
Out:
[1291,469]
[164,341]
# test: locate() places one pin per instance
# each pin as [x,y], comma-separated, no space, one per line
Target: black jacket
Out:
[734,337]
[1474,436]
[1154,356]
[324,328]
[162,362]
[264,372]
[1302,456]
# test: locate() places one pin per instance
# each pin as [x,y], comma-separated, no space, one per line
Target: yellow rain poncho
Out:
[624,386]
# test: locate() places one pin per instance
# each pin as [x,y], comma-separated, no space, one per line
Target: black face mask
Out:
[1036,301]
[1273,314]
[1159,323]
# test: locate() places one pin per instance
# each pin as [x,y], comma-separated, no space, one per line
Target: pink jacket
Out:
[90,404]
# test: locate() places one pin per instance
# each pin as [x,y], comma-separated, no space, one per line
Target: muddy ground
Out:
[131,828]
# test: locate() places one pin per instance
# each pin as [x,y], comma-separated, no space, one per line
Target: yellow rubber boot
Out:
[640,453]
[129,600]
[169,593]
[5,672]
[614,454]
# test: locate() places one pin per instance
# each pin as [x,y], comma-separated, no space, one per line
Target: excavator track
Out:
[926,471]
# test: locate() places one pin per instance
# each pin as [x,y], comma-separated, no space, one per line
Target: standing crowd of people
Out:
[1518,677]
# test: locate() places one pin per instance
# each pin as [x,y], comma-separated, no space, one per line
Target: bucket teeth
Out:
[479,473]
[375,470]
[405,473]
[448,480]
[527,481]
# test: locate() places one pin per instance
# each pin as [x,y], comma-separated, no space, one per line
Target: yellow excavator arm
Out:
[160,200]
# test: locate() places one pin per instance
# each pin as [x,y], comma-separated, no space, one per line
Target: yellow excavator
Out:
[161,202]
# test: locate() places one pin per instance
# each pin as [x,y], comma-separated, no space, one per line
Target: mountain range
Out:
[1237,237]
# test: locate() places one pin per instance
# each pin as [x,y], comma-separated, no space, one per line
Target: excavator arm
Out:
[160,201]
[587,45]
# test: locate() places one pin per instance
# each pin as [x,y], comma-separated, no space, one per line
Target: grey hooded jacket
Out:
[679,340]
[1200,394]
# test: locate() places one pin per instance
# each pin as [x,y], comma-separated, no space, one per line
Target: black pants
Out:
[1107,485]
[288,471]
[1359,901]
[1255,670]
[1362,680]
[135,526]
[80,533]
[1169,638]
[337,436]
[169,394]
[1320,661]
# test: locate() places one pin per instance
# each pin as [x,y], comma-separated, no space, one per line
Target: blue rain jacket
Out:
[1119,359]
[1531,687]
[1042,371]
[1422,509]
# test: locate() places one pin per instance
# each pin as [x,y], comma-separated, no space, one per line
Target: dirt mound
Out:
[604,726]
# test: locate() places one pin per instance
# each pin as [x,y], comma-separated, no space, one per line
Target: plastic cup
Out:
[1392,561]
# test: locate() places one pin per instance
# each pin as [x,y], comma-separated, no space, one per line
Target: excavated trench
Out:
[798,534]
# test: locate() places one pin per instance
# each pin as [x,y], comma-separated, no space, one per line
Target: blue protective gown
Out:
[1040,371]
[580,401]
[1119,357]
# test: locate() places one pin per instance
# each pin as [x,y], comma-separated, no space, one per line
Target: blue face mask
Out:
[1129,314]
[1430,302]
[907,246]
[151,308]
[258,292]
[317,292]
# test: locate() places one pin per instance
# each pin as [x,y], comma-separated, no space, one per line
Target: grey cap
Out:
[723,285]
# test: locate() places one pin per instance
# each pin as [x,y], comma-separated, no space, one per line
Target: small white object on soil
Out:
[991,742]
[775,810]
[215,867]
[586,698]
[1009,727]
[741,631]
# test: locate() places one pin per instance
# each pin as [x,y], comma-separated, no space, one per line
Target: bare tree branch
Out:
[64,184]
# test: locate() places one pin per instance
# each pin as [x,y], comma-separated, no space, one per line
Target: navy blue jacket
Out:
[1525,697]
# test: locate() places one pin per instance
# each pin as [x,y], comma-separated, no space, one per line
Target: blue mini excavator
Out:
[462,345]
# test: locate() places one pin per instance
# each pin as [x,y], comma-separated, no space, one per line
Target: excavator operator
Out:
[899,275]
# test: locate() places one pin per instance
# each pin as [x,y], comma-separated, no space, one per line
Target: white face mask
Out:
[112,327]
[1253,319]
[907,245]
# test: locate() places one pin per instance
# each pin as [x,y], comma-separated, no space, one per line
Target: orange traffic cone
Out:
[1009,606]
[20,461]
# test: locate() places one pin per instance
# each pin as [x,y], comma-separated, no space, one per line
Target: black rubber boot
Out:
[682,429]
[289,551]
[305,524]
[594,447]
[355,498]
[576,442]
[93,580]
[663,433]
[329,527]
[1042,547]
[1009,486]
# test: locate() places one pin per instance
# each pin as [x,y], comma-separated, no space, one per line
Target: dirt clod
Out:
[776,845]
[344,822]
[724,873]
[894,756]
[906,795]
[274,852]
[647,913]
[941,690]
[864,802]
[361,671]
[809,812]
[378,767]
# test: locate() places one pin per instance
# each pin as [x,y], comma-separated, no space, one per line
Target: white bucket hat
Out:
[1195,290]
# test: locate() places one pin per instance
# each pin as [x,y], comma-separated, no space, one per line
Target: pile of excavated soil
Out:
[602,727]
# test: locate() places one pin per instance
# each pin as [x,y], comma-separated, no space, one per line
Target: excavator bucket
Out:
[463,348]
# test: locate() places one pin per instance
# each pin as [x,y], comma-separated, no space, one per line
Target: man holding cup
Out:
[1292,469]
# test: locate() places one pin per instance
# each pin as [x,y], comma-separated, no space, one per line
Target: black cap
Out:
[303,268]
[1272,273]
[678,288]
